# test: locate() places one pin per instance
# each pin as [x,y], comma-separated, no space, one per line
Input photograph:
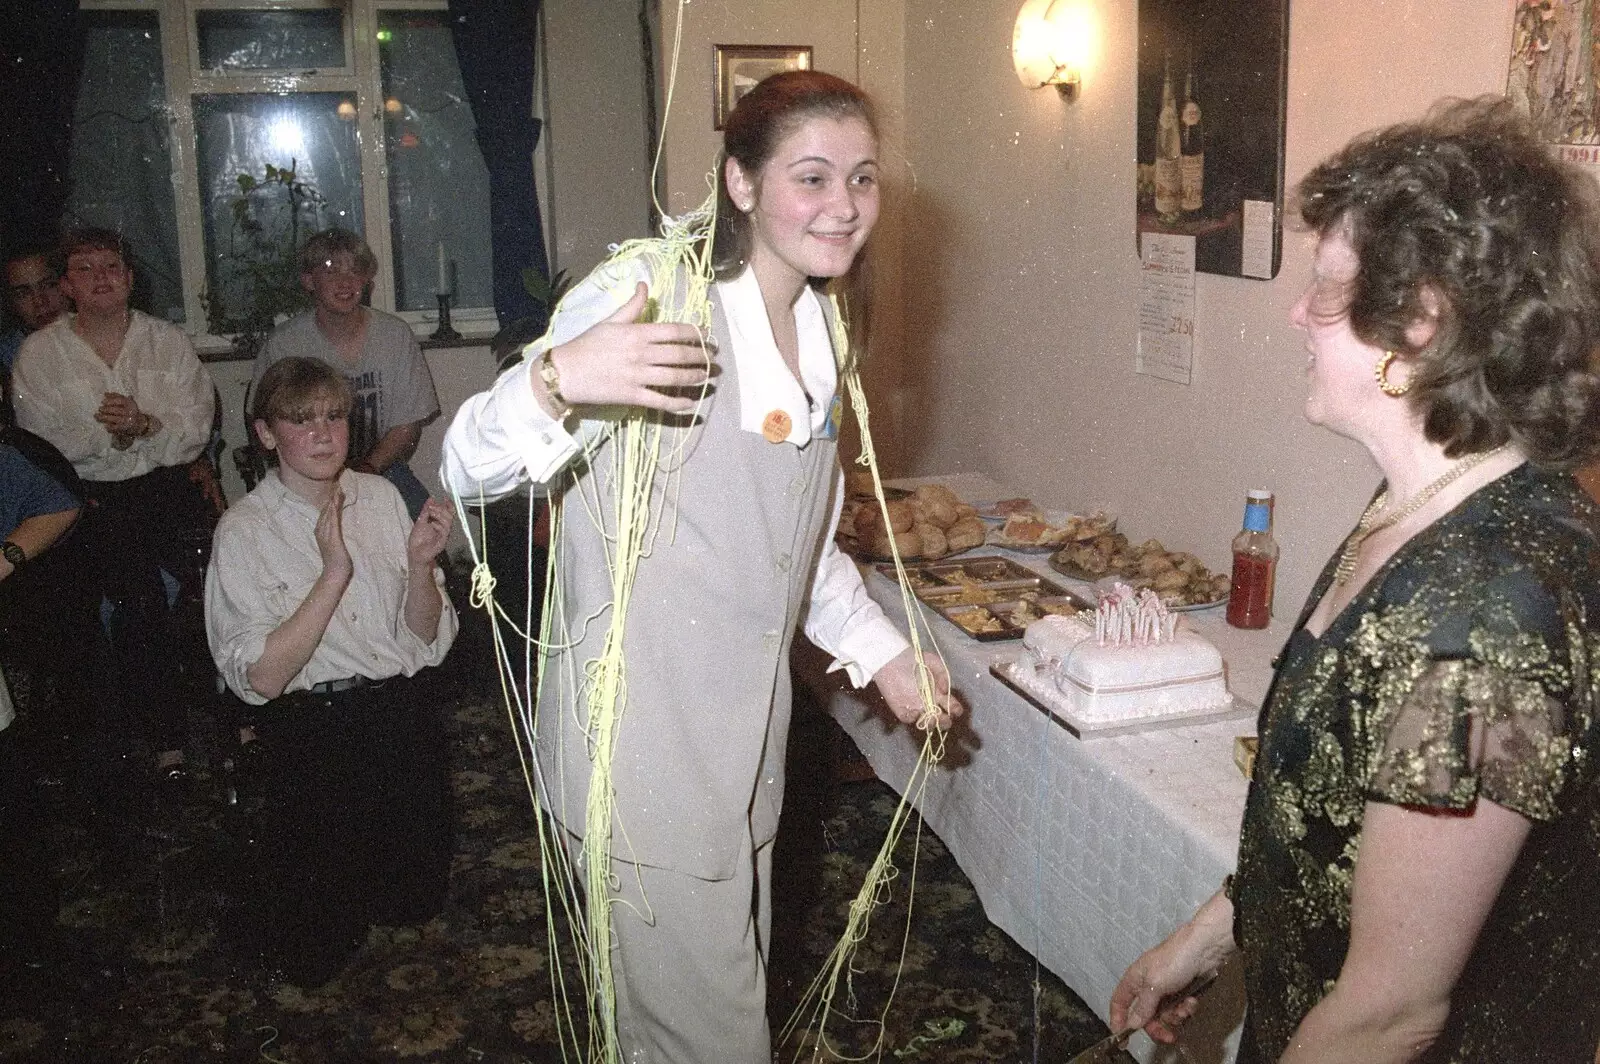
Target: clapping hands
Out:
[429,534]
[121,417]
[336,563]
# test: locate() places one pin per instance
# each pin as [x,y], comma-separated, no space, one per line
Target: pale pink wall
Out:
[596,181]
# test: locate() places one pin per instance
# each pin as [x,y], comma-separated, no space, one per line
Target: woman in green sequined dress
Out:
[1419,867]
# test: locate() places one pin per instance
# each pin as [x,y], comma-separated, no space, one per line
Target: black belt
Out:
[332,687]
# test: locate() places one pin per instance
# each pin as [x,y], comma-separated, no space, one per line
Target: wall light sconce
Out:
[1053,44]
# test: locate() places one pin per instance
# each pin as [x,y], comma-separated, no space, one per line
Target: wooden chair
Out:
[1589,477]
[249,458]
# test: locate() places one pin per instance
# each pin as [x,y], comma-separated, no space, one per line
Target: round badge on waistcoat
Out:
[830,431]
[775,427]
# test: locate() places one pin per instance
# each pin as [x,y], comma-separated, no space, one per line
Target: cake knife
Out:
[1104,1051]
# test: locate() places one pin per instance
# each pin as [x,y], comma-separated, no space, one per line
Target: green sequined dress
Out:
[1487,622]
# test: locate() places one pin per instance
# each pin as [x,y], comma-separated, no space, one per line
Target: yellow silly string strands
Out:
[676,256]
[680,275]
[638,439]
[520,705]
[817,1004]
[679,257]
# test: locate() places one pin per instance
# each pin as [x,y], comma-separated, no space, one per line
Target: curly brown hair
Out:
[94,238]
[1467,208]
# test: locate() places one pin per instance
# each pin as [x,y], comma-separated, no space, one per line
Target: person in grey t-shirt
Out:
[376,352]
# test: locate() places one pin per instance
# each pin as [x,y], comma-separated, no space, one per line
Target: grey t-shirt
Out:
[391,381]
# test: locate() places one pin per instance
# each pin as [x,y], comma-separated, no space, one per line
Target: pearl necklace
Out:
[1371,524]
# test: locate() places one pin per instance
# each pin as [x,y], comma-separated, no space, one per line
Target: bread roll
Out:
[934,543]
[869,523]
[902,515]
[938,503]
[908,543]
[966,533]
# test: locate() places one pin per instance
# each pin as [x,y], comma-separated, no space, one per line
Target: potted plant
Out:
[257,279]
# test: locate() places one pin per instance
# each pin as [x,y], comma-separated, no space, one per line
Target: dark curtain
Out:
[494,42]
[41,58]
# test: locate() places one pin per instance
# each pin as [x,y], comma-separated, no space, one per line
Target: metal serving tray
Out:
[989,598]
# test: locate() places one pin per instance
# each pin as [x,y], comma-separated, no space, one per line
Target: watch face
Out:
[13,554]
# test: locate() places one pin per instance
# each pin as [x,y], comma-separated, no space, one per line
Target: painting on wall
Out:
[1212,84]
[1552,72]
[737,68]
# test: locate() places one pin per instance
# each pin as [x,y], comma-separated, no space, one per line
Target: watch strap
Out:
[551,378]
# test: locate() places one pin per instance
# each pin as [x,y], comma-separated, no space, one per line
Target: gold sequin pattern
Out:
[1466,670]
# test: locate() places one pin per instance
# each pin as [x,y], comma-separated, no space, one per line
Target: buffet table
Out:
[1085,851]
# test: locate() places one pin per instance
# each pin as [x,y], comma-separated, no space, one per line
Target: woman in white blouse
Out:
[123,396]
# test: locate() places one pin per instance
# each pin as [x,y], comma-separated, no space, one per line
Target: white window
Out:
[185,104]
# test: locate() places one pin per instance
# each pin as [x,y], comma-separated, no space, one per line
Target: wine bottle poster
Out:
[1551,77]
[1213,78]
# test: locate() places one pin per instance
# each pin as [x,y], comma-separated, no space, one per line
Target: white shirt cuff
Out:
[873,644]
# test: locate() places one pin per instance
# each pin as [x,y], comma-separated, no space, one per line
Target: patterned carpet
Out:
[146,970]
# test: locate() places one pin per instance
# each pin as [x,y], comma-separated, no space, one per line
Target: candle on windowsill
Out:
[444,286]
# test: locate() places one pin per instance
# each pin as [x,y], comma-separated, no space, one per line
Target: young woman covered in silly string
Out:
[684,410]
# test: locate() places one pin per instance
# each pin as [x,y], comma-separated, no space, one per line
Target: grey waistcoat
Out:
[700,751]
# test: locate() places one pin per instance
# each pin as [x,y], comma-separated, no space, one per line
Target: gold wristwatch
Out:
[552,382]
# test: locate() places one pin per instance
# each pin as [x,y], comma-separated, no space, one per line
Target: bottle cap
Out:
[1257,516]
[1258,495]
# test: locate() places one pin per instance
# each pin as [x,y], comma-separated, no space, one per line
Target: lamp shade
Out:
[1052,42]
[1031,44]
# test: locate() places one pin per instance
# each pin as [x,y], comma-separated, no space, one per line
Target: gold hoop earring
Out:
[1380,373]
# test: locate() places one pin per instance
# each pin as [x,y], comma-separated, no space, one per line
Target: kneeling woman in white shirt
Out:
[745,506]
[323,606]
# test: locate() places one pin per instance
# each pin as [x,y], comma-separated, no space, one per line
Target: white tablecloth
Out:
[1086,852]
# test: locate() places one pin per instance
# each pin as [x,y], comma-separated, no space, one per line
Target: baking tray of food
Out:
[1179,578]
[988,597]
[983,570]
[1005,618]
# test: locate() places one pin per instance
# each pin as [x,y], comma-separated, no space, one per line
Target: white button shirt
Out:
[502,437]
[60,383]
[265,559]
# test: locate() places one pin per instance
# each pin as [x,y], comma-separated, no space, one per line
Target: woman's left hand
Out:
[429,534]
[1147,994]
[897,683]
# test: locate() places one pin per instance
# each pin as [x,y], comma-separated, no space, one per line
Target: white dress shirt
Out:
[265,559]
[60,383]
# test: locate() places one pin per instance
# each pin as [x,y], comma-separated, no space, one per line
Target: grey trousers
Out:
[691,963]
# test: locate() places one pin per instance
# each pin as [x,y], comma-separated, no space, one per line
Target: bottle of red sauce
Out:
[1255,564]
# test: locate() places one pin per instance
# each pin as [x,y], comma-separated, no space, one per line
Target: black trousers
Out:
[130,531]
[355,826]
[53,647]
[29,889]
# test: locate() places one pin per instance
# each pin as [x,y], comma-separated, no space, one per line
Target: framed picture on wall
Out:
[736,68]
[1213,79]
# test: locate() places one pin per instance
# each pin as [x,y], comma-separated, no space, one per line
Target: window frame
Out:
[184,80]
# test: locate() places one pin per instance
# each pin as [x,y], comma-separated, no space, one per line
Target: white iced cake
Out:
[1133,662]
